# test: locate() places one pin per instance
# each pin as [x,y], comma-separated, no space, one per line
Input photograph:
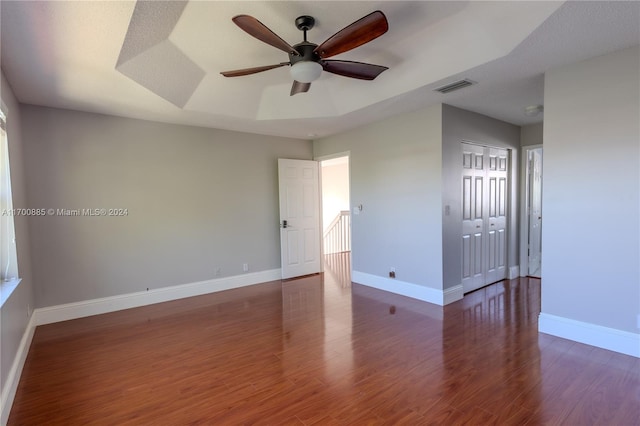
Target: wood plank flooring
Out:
[320,351]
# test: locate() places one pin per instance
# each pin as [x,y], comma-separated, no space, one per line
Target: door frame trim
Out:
[320,159]
[524,209]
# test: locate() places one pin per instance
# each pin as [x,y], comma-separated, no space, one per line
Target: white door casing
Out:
[484,215]
[299,217]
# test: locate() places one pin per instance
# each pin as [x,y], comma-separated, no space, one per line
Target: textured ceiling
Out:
[161,60]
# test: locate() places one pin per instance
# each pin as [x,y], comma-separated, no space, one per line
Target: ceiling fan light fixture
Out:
[306,71]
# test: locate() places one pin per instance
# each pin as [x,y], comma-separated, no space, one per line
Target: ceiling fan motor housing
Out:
[305,53]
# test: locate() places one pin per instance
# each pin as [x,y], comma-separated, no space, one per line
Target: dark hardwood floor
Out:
[319,350]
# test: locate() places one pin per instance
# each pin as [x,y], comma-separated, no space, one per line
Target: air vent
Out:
[455,86]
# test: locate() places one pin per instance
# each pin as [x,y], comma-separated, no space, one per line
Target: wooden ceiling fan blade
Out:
[257,29]
[360,32]
[352,69]
[247,71]
[299,88]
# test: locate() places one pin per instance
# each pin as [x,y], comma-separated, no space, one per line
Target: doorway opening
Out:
[532,224]
[336,219]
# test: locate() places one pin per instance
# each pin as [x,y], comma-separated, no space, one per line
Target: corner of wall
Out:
[17,328]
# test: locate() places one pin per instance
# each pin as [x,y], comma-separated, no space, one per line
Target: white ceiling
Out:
[161,60]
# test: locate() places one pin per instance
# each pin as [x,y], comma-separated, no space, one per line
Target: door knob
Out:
[284,224]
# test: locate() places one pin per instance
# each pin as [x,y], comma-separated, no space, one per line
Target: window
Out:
[8,258]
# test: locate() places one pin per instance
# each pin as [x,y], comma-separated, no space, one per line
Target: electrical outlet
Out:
[392,272]
[218,272]
[245,267]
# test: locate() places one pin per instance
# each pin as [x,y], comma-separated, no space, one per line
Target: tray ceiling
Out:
[161,60]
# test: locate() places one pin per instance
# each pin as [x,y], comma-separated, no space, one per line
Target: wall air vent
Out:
[455,86]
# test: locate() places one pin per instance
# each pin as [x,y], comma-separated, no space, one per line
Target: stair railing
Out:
[337,237]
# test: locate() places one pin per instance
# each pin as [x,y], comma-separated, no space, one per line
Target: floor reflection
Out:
[491,361]
[471,357]
[337,268]
[381,357]
[321,350]
[317,311]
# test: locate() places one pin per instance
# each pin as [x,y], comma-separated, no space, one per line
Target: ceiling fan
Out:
[308,60]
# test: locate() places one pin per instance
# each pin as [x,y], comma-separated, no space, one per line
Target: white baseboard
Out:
[103,305]
[404,288]
[514,272]
[453,294]
[13,378]
[591,334]
[524,271]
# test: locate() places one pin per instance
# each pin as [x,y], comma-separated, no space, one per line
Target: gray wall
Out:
[17,310]
[531,134]
[396,176]
[460,125]
[591,268]
[198,200]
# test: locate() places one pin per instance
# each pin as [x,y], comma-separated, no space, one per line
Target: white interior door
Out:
[535,211]
[473,207]
[497,172]
[299,217]
[484,215]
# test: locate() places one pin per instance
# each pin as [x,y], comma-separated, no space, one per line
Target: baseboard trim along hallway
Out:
[426,294]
